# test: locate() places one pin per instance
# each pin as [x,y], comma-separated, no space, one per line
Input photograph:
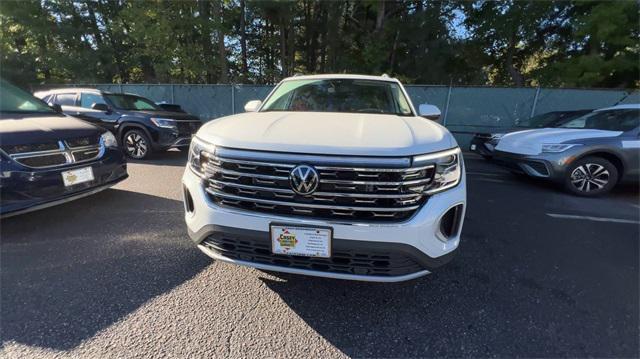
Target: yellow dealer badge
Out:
[71,178]
[287,239]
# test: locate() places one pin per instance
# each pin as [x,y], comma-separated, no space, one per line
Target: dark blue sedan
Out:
[47,158]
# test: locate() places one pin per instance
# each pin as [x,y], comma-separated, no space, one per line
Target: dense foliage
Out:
[512,43]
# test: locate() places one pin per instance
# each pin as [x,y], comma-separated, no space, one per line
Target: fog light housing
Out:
[450,223]
[188,201]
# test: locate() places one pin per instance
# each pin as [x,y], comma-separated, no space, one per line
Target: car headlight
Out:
[556,147]
[447,169]
[164,122]
[199,154]
[108,139]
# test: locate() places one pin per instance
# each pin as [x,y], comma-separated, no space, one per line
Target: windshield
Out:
[131,102]
[15,100]
[339,95]
[611,120]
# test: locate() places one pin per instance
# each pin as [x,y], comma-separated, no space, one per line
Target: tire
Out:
[590,176]
[136,144]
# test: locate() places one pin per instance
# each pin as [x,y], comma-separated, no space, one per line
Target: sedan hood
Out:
[36,129]
[529,142]
[328,133]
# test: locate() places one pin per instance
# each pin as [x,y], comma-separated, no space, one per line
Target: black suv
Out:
[140,125]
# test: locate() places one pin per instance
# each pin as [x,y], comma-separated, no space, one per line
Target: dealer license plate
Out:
[301,241]
[77,176]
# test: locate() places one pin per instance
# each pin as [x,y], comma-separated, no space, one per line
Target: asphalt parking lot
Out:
[539,274]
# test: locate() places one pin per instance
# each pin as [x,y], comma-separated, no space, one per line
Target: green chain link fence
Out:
[465,110]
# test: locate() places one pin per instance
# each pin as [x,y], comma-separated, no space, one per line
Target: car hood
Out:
[35,129]
[328,133]
[162,114]
[506,130]
[529,142]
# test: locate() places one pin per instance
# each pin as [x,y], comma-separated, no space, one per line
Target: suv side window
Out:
[65,99]
[89,99]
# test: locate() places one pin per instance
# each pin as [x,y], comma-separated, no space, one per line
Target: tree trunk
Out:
[218,14]
[323,40]
[308,32]
[243,40]
[516,76]
[380,16]
[291,47]
[205,38]
[394,48]
[283,46]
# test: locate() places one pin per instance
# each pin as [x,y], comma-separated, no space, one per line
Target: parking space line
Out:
[595,219]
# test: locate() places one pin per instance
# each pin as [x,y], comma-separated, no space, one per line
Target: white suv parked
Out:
[332,176]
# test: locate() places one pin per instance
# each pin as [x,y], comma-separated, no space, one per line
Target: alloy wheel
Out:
[589,177]
[136,145]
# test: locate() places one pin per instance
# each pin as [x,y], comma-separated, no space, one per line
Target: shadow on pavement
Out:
[522,284]
[172,157]
[75,269]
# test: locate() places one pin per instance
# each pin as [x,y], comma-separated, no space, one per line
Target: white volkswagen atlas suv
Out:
[333,176]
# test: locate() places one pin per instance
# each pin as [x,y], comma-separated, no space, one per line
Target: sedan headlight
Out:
[199,154]
[556,147]
[108,139]
[164,122]
[447,169]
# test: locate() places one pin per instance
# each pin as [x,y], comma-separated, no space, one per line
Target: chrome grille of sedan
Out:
[362,193]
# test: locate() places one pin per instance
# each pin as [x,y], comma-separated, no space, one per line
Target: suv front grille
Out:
[188,127]
[58,153]
[343,259]
[344,192]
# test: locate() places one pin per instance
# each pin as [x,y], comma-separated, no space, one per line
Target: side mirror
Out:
[101,107]
[56,107]
[252,106]
[430,112]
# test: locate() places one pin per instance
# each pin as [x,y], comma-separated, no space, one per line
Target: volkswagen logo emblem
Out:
[304,179]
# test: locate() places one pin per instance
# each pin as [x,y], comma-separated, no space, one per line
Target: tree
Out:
[603,48]
[512,43]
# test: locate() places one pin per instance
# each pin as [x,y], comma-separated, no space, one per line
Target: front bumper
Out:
[25,190]
[174,138]
[550,166]
[415,243]
[169,139]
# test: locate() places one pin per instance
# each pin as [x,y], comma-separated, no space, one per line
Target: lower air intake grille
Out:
[539,167]
[343,260]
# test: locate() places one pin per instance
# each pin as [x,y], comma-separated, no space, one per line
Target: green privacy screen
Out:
[465,110]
